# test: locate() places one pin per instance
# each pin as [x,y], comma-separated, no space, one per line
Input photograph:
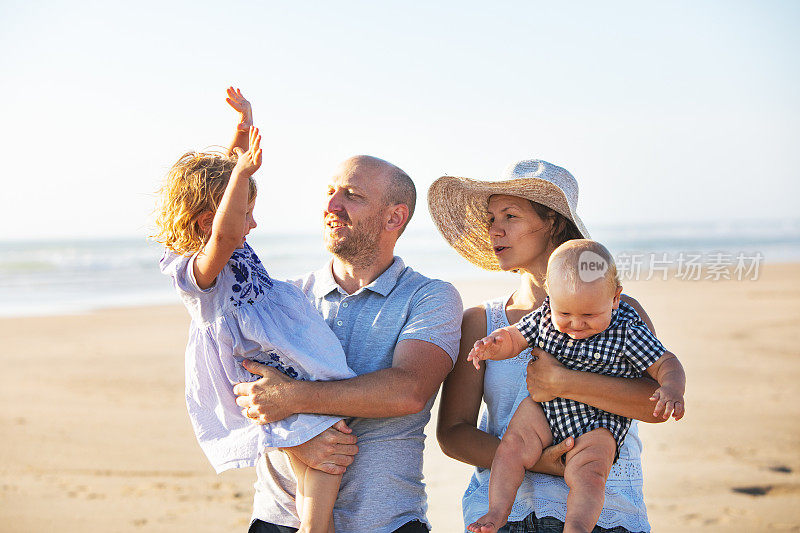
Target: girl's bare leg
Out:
[527,435]
[316,495]
[587,468]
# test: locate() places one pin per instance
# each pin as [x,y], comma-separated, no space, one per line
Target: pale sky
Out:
[664,111]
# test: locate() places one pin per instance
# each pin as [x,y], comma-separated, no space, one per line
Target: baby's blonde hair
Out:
[564,264]
[195,184]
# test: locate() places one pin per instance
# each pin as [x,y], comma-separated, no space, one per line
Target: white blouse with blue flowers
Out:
[248,315]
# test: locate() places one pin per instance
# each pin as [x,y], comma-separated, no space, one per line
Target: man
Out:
[400,332]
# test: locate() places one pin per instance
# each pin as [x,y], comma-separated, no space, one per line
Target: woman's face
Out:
[519,236]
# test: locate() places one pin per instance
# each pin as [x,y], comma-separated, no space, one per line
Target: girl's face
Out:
[207,220]
[249,221]
[519,236]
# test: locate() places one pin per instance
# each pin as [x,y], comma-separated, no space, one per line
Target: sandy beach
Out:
[96,437]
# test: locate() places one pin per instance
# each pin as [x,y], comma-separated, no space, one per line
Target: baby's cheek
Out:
[603,325]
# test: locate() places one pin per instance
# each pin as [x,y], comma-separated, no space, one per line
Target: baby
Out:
[586,327]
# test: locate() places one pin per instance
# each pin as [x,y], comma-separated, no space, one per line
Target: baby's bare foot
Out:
[488,523]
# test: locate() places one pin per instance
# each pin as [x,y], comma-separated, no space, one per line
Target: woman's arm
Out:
[457,428]
[457,431]
[548,379]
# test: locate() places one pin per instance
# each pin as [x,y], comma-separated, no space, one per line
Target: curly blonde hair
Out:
[195,184]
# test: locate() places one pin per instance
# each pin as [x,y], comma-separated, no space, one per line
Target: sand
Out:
[96,437]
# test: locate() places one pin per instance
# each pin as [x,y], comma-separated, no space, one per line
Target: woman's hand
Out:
[552,459]
[237,101]
[545,376]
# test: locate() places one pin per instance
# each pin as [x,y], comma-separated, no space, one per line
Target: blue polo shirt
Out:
[383,488]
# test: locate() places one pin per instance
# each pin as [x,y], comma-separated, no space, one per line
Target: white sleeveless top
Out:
[546,495]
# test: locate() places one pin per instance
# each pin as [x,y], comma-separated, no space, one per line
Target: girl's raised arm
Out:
[230,222]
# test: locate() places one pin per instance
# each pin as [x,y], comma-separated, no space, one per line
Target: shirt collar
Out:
[325,282]
[615,318]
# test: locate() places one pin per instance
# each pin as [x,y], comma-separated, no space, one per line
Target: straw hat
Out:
[458,206]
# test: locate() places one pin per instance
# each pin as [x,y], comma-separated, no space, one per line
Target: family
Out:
[325,383]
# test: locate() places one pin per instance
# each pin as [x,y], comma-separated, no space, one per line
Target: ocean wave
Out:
[59,276]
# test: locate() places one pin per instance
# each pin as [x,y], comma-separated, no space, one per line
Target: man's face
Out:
[353,218]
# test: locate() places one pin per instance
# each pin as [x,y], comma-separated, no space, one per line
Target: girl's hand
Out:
[249,161]
[544,376]
[237,101]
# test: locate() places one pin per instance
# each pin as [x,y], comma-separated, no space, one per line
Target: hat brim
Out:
[458,207]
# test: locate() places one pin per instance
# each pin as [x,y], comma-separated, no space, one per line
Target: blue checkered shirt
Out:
[625,349]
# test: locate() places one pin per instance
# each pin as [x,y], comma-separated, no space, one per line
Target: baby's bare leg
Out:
[316,495]
[527,435]
[587,468]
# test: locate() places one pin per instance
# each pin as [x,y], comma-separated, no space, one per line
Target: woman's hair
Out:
[563,228]
[194,185]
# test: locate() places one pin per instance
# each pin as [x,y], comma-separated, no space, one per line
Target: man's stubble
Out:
[360,248]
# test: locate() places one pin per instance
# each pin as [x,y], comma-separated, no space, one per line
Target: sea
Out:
[54,277]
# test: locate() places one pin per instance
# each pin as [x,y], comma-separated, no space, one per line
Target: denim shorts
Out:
[548,524]
[415,526]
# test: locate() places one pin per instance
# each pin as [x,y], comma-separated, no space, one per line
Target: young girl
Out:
[239,312]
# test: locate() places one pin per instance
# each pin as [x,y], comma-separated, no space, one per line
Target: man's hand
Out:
[237,101]
[331,451]
[268,399]
[551,461]
[544,376]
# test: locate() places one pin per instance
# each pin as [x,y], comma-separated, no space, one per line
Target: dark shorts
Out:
[548,524]
[415,526]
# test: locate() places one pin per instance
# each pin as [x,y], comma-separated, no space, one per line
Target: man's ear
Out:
[205,220]
[397,217]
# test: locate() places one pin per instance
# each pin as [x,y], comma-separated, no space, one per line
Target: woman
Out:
[514,225]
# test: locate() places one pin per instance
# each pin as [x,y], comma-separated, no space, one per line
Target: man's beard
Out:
[360,247]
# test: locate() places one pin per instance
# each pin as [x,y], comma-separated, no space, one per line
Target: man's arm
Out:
[418,368]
